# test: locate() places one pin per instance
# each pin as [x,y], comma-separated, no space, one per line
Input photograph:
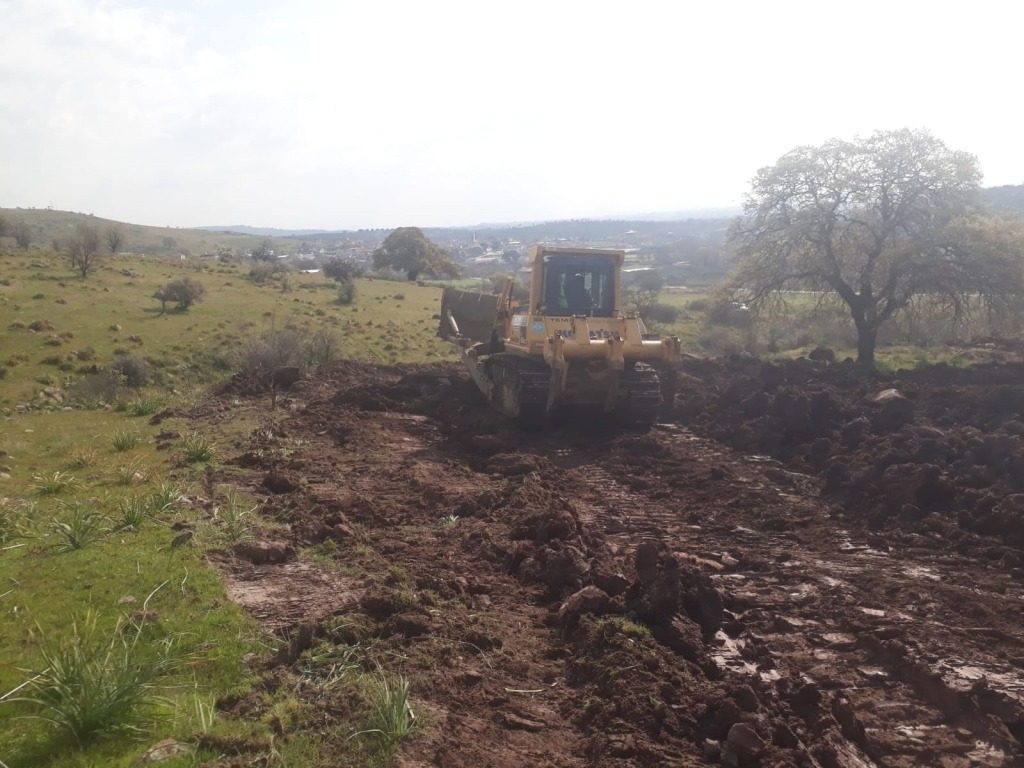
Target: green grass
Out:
[196,448]
[85,513]
[124,441]
[96,683]
[82,527]
[391,717]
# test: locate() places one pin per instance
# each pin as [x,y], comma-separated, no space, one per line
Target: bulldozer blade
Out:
[473,314]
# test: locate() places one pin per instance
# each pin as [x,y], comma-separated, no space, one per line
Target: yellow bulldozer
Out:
[570,344]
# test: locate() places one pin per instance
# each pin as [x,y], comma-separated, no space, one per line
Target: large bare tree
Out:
[115,237]
[83,249]
[885,224]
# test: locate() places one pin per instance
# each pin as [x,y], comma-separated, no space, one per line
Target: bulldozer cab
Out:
[571,285]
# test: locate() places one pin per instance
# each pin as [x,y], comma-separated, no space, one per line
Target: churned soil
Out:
[803,564]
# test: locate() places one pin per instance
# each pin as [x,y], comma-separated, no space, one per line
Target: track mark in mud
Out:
[810,616]
[284,596]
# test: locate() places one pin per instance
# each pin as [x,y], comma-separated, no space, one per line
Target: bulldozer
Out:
[569,344]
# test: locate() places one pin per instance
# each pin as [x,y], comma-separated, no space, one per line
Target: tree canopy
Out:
[408,250]
[887,224]
[342,270]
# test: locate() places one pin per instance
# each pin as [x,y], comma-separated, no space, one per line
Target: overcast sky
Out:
[384,113]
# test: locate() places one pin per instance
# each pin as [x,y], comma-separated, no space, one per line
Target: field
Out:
[801,564]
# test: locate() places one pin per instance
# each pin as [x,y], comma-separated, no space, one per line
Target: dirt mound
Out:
[935,450]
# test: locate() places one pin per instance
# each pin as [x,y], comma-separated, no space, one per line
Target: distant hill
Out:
[1009,197]
[242,229]
[575,229]
[50,227]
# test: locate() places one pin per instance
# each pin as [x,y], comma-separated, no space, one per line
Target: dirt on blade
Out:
[807,565]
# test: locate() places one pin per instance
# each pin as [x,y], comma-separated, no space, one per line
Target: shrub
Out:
[133,368]
[96,389]
[184,293]
[259,357]
[321,348]
[346,293]
[342,270]
[660,313]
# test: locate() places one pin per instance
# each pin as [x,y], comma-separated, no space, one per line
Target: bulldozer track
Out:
[527,381]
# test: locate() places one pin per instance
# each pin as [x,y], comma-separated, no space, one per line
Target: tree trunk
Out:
[867,336]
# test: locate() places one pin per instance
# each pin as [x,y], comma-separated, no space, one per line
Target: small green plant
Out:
[94,684]
[392,717]
[165,497]
[234,519]
[8,524]
[145,406]
[124,441]
[55,484]
[130,473]
[449,521]
[133,513]
[197,448]
[83,458]
[81,529]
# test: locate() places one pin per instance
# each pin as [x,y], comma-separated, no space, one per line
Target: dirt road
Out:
[803,565]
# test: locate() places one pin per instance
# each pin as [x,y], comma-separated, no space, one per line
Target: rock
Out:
[410,625]
[558,569]
[263,552]
[277,481]
[511,465]
[285,377]
[589,600]
[712,750]
[822,355]
[487,445]
[517,723]
[162,750]
[743,744]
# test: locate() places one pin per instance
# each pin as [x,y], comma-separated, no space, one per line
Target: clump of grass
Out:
[130,473]
[8,524]
[145,406]
[83,458]
[197,448]
[95,684]
[132,513]
[55,484]
[124,441]
[81,529]
[392,717]
[165,497]
[233,520]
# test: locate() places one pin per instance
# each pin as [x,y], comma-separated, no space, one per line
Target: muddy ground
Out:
[803,564]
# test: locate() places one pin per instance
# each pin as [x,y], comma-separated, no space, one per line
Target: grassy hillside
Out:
[90,489]
[48,226]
